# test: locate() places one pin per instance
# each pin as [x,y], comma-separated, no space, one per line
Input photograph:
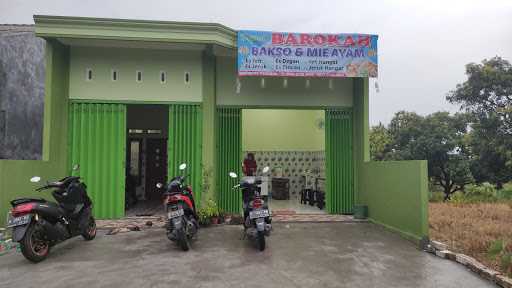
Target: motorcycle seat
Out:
[19,201]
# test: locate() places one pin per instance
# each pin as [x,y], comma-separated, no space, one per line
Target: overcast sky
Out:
[423,45]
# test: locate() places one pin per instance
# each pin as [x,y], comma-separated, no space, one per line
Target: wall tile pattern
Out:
[293,165]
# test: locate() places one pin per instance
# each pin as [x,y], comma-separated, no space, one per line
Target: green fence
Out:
[339,162]
[184,144]
[229,150]
[97,142]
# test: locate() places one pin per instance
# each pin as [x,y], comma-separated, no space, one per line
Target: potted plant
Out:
[213,211]
[209,213]
[204,219]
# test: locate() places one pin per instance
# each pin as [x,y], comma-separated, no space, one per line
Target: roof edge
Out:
[48,26]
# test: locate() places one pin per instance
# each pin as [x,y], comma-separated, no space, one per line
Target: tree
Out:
[492,151]
[487,95]
[379,142]
[437,138]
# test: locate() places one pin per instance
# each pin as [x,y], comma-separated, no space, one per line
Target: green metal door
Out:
[229,151]
[185,144]
[339,161]
[97,139]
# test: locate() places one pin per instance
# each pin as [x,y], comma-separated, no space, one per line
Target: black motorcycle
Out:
[257,220]
[39,224]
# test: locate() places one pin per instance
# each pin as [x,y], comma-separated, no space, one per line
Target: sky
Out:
[423,45]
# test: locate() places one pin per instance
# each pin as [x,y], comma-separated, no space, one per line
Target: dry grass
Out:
[471,228]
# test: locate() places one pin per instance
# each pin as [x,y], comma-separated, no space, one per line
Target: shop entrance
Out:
[146,158]
[292,143]
[273,136]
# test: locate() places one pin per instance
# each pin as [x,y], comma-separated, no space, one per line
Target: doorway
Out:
[292,143]
[146,158]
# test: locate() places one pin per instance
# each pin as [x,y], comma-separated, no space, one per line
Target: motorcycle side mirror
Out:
[35,179]
[76,167]
[183,166]
[159,185]
[266,169]
[232,175]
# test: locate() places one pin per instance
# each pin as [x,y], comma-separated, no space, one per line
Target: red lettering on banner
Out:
[349,41]
[291,39]
[305,39]
[277,38]
[363,41]
[319,39]
[333,40]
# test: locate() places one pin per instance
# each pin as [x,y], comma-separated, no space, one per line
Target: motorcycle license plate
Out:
[175,213]
[259,214]
[18,221]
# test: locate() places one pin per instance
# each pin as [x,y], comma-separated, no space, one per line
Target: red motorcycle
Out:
[182,221]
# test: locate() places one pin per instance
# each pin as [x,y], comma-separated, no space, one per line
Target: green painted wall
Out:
[127,61]
[361,143]
[396,193]
[15,174]
[282,130]
[209,122]
[319,94]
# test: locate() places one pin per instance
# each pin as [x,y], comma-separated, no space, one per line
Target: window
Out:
[114,75]
[139,76]
[187,77]
[163,77]
[88,74]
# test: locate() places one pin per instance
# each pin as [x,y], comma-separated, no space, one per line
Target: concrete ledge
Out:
[472,264]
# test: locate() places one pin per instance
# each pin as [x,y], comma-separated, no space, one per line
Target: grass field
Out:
[471,228]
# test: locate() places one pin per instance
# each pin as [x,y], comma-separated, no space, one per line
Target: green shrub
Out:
[458,198]
[485,192]
[505,193]
[436,196]
[498,250]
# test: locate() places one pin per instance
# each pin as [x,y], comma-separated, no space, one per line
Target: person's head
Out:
[250,156]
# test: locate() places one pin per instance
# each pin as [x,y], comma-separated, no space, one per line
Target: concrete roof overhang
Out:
[105,32]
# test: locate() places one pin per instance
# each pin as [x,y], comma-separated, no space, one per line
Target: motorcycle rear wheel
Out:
[34,246]
[182,240]
[90,232]
[261,240]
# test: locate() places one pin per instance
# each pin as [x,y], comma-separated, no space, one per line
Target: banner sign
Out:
[262,53]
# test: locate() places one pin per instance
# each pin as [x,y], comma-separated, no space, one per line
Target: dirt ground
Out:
[471,228]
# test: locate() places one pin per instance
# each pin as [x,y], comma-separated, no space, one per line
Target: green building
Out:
[121,94]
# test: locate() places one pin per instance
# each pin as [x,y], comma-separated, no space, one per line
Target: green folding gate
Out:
[339,161]
[229,150]
[97,139]
[185,144]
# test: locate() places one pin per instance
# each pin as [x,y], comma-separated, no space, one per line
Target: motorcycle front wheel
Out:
[34,245]
[261,240]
